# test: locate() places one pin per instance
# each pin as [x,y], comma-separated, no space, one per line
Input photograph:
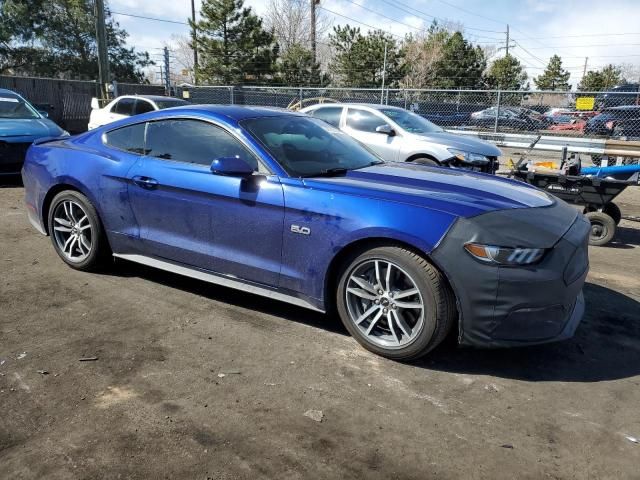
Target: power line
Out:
[358,21]
[149,18]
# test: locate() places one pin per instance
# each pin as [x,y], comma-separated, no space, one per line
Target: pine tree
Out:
[461,65]
[359,59]
[56,38]
[604,79]
[232,45]
[554,76]
[297,68]
[506,73]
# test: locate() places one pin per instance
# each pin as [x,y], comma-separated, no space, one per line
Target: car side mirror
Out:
[386,129]
[43,113]
[231,166]
[95,104]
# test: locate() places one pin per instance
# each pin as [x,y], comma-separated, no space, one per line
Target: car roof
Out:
[229,114]
[375,106]
[155,98]
[5,91]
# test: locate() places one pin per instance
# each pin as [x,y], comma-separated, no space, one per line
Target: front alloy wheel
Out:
[395,303]
[384,302]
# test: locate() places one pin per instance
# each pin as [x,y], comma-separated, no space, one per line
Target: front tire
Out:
[395,303]
[76,231]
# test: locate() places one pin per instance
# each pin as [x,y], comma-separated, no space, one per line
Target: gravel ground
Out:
[196,381]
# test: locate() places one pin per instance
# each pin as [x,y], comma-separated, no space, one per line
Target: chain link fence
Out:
[593,114]
[608,115]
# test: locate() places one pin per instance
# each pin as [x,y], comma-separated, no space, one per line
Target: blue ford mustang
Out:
[282,205]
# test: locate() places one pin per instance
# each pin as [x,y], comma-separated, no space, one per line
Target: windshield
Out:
[12,106]
[307,147]
[162,104]
[411,122]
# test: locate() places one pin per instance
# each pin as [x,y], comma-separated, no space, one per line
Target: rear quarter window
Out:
[129,139]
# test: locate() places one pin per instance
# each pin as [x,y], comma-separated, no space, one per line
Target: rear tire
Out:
[76,232]
[603,228]
[613,211]
[395,303]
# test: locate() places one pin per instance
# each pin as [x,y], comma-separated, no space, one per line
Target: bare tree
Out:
[290,21]
[182,56]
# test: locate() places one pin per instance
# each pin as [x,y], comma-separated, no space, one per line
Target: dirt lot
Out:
[197,381]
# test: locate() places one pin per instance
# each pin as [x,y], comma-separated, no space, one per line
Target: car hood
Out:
[30,128]
[468,144]
[458,192]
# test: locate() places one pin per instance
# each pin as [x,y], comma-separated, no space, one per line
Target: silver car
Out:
[398,135]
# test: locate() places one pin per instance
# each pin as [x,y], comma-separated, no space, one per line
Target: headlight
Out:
[504,255]
[469,157]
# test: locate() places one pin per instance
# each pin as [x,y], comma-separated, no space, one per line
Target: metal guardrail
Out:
[591,146]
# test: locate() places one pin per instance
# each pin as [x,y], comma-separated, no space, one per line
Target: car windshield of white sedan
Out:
[14,107]
[306,147]
[411,122]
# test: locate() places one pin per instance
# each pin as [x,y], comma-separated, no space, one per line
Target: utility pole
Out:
[584,71]
[101,40]
[507,47]
[313,28]
[167,77]
[194,40]
[384,72]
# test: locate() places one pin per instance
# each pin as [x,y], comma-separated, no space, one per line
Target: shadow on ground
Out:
[625,238]
[606,345]
[10,181]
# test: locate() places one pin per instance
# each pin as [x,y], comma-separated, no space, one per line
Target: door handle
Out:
[145,182]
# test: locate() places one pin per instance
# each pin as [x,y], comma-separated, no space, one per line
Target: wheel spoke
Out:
[374,322]
[388,277]
[378,280]
[72,244]
[67,243]
[406,329]
[81,221]
[85,243]
[63,222]
[364,284]
[391,327]
[366,314]
[361,293]
[405,293]
[409,305]
[60,228]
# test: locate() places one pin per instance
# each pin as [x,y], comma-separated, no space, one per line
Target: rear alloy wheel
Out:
[76,232]
[395,303]
[603,228]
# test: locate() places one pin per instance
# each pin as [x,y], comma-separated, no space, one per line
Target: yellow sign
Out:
[585,103]
[185,94]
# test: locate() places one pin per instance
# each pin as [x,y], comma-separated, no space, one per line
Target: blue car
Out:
[20,125]
[285,206]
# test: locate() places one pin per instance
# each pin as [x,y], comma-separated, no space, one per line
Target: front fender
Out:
[439,152]
[319,224]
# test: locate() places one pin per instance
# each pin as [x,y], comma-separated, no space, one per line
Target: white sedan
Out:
[128,105]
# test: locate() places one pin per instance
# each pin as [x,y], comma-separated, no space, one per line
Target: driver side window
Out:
[194,141]
[363,121]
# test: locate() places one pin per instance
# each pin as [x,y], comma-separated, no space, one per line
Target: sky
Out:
[574,29]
